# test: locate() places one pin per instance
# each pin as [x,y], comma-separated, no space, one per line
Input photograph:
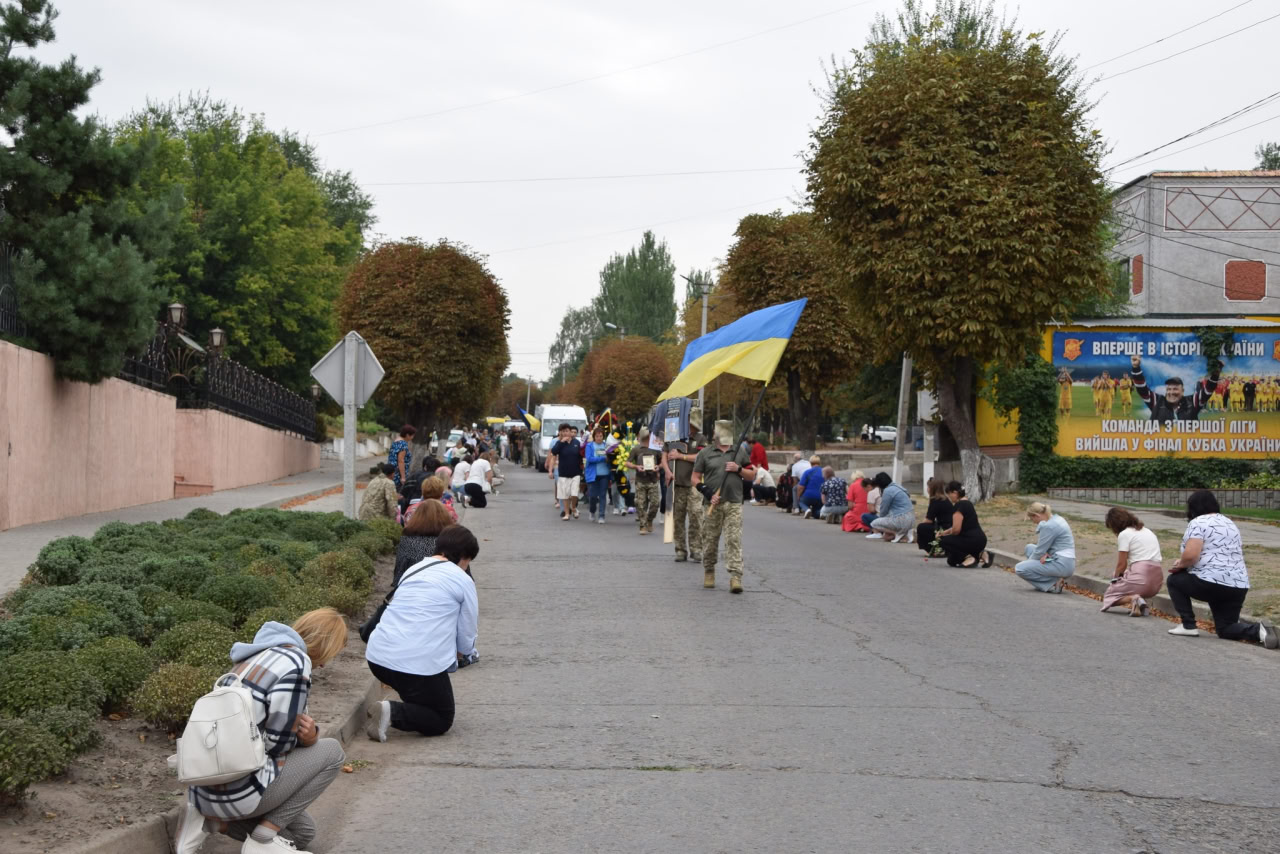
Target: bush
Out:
[75,730]
[182,575]
[371,543]
[108,607]
[1038,473]
[120,665]
[28,754]
[238,593]
[128,576]
[43,631]
[271,613]
[207,654]
[296,554]
[166,696]
[59,562]
[312,528]
[169,646]
[345,599]
[202,514]
[388,528]
[176,611]
[1257,480]
[347,568]
[275,572]
[342,527]
[38,679]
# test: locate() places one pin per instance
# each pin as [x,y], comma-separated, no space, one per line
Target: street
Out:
[854,698]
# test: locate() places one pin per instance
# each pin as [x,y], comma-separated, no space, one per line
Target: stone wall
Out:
[217,451]
[1263,499]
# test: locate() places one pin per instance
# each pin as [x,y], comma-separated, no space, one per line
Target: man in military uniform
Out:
[718,473]
[677,462]
[644,463]
[380,499]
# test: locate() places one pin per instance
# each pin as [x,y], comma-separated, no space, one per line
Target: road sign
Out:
[330,371]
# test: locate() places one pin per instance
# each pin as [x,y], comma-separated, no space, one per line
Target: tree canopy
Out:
[626,375]
[264,241]
[777,258]
[437,372]
[956,171]
[1268,154]
[85,257]
[511,397]
[578,329]
[637,290]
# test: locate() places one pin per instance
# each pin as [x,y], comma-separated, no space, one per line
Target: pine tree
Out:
[84,273]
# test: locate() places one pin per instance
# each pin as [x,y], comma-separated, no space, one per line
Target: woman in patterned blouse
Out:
[400,456]
[1211,569]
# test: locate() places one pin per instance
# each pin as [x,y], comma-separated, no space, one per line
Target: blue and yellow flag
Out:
[749,347]
[534,424]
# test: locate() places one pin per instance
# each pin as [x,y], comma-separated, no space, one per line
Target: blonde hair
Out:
[433,487]
[815,460]
[857,475]
[324,631]
[1039,508]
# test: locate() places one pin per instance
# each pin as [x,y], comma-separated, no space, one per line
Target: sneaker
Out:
[617,512]
[600,521]
[735,584]
[875,536]
[753,501]
[575,513]
[898,538]
[1183,631]
[378,720]
[1267,635]
[191,833]
[807,514]
[708,578]
[277,845]
[911,536]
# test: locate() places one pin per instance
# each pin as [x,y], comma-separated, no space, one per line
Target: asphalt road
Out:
[855,698]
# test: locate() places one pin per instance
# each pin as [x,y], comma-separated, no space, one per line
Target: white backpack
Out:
[221,742]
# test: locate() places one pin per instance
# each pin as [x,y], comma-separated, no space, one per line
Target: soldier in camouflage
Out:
[380,500]
[718,473]
[677,461]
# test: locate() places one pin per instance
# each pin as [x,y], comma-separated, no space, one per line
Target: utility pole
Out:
[705,289]
[528,392]
[904,401]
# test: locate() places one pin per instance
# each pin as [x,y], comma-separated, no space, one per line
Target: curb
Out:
[153,835]
[1160,601]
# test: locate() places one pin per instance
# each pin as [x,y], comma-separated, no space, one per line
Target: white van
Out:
[552,415]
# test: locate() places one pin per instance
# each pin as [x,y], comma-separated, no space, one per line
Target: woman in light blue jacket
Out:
[1051,559]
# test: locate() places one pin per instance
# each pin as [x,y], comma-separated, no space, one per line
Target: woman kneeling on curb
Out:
[1139,572]
[1051,559]
[429,626]
[1211,568]
[267,809]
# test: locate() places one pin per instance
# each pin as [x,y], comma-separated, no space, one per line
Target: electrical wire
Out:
[602,76]
[581,177]
[1166,38]
[1187,50]
[1206,142]
[1229,117]
[1201,235]
[1230,255]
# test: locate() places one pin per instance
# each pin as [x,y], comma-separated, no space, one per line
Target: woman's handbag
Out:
[366,630]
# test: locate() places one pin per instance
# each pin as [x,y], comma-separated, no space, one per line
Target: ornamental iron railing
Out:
[10,318]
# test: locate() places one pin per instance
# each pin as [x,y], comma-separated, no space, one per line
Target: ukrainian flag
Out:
[749,347]
[534,424]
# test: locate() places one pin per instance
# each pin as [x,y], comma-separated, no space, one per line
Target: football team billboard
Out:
[1147,394]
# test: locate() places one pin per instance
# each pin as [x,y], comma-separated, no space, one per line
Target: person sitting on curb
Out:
[1051,559]
[856,498]
[1211,568]
[809,488]
[937,517]
[835,502]
[1139,571]
[267,810]
[763,489]
[380,500]
[897,519]
[964,542]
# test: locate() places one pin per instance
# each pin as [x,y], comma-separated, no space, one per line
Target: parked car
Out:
[445,444]
[885,434]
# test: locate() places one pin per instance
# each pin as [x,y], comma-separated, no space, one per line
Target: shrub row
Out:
[1039,472]
[141,617]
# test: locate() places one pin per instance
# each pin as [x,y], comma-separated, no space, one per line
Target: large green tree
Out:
[958,173]
[262,247]
[437,372]
[777,258]
[626,375]
[84,273]
[637,290]
[578,329]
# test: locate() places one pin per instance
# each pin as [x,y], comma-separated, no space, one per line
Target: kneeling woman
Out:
[428,626]
[1051,559]
[964,543]
[1138,572]
[267,810]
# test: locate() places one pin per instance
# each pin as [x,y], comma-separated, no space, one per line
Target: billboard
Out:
[1133,393]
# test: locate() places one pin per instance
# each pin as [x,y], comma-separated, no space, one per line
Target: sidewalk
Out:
[19,546]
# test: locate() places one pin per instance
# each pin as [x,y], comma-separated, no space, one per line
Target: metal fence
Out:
[10,320]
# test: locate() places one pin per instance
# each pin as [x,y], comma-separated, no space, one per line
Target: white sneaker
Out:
[617,512]
[1267,635]
[378,720]
[898,538]
[600,521]
[753,501]
[911,536]
[875,536]
[191,833]
[277,845]
[807,514]
[1184,632]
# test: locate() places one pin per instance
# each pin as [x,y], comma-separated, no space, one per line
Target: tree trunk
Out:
[955,405]
[804,413]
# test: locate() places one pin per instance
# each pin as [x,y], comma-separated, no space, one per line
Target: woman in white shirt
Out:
[1211,568]
[426,631]
[1139,572]
[461,472]
[479,481]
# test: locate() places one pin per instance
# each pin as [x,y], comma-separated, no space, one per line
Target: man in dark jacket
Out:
[1173,405]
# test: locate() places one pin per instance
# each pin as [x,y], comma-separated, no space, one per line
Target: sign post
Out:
[349,373]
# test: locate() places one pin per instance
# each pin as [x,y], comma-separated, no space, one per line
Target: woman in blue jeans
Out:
[1051,559]
[596,473]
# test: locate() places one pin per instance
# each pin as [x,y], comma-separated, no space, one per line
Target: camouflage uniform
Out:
[648,490]
[648,496]
[380,500]
[686,502]
[727,517]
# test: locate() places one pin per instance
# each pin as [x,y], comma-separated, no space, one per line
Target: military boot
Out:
[709,578]
[735,584]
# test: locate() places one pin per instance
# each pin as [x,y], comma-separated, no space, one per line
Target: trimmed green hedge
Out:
[1038,473]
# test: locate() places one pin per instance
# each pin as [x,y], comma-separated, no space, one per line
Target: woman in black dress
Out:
[964,543]
[937,516]
[428,519]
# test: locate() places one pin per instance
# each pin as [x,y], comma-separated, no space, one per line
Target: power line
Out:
[1200,235]
[1166,38]
[1187,50]
[581,177]
[1231,255]
[1245,110]
[602,76]
[1206,142]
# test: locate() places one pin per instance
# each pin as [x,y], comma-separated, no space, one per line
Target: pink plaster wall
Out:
[71,448]
[215,451]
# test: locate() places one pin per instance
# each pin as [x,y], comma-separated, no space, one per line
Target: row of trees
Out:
[188,201]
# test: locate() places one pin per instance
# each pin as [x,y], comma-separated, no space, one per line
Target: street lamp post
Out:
[622,333]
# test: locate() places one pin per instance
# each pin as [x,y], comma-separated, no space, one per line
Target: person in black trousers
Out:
[964,542]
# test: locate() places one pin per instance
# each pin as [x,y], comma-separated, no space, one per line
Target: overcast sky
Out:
[402,92]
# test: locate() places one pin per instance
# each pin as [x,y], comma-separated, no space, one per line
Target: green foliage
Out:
[167,695]
[1029,392]
[28,754]
[182,574]
[170,645]
[626,375]
[637,290]
[108,609]
[388,528]
[350,601]
[342,527]
[396,291]
[295,554]
[74,730]
[271,613]
[43,631]
[371,543]
[1268,154]
[120,665]
[207,654]
[1214,342]
[202,514]
[956,170]
[172,610]
[42,678]
[1257,480]
[1167,472]
[127,575]
[84,271]
[238,593]
[60,560]
[347,568]
[579,329]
